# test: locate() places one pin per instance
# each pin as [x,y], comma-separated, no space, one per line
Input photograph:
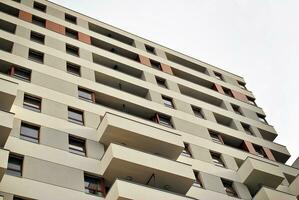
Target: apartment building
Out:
[89,111]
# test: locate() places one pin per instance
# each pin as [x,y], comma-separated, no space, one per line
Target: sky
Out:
[256,39]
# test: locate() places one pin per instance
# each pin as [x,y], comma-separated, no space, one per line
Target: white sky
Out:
[256,39]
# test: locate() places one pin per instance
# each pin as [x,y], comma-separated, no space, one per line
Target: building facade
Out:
[89,111]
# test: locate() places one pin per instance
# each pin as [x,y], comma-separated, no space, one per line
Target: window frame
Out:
[91,93]
[100,185]
[10,170]
[217,159]
[157,119]
[229,188]
[38,21]
[72,50]
[29,106]
[71,33]
[70,18]
[168,102]
[72,146]
[197,112]
[39,6]
[70,65]
[156,65]
[37,37]
[217,139]
[28,137]
[73,120]
[36,56]
[13,73]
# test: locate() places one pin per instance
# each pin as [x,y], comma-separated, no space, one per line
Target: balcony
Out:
[143,168]
[6,124]
[269,194]
[127,190]
[3,162]
[254,173]
[117,129]
[8,92]
[294,186]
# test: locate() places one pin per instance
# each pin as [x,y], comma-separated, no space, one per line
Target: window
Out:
[29,132]
[32,103]
[18,198]
[73,69]
[18,1]
[77,145]
[218,76]
[216,138]
[228,187]
[70,18]
[39,6]
[75,116]
[15,165]
[20,73]
[197,182]
[247,129]
[217,160]
[242,85]
[161,82]
[70,49]
[150,49]
[198,112]
[259,151]
[163,120]
[251,101]
[86,95]
[167,102]
[36,56]
[71,33]
[37,37]
[155,64]
[186,152]
[228,92]
[38,21]
[262,118]
[94,185]
[237,109]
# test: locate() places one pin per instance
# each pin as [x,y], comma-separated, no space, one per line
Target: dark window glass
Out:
[150,49]
[251,101]
[197,182]
[14,166]
[21,73]
[77,146]
[18,198]
[262,118]
[86,95]
[37,37]
[71,33]
[242,85]
[216,138]
[70,49]
[198,112]
[155,64]
[218,76]
[94,185]
[39,6]
[70,18]
[165,121]
[29,132]
[161,82]
[237,109]
[167,102]
[18,1]
[228,92]
[36,56]
[73,69]
[247,129]
[75,116]
[32,103]
[186,151]
[216,157]
[38,21]
[229,189]
[260,151]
